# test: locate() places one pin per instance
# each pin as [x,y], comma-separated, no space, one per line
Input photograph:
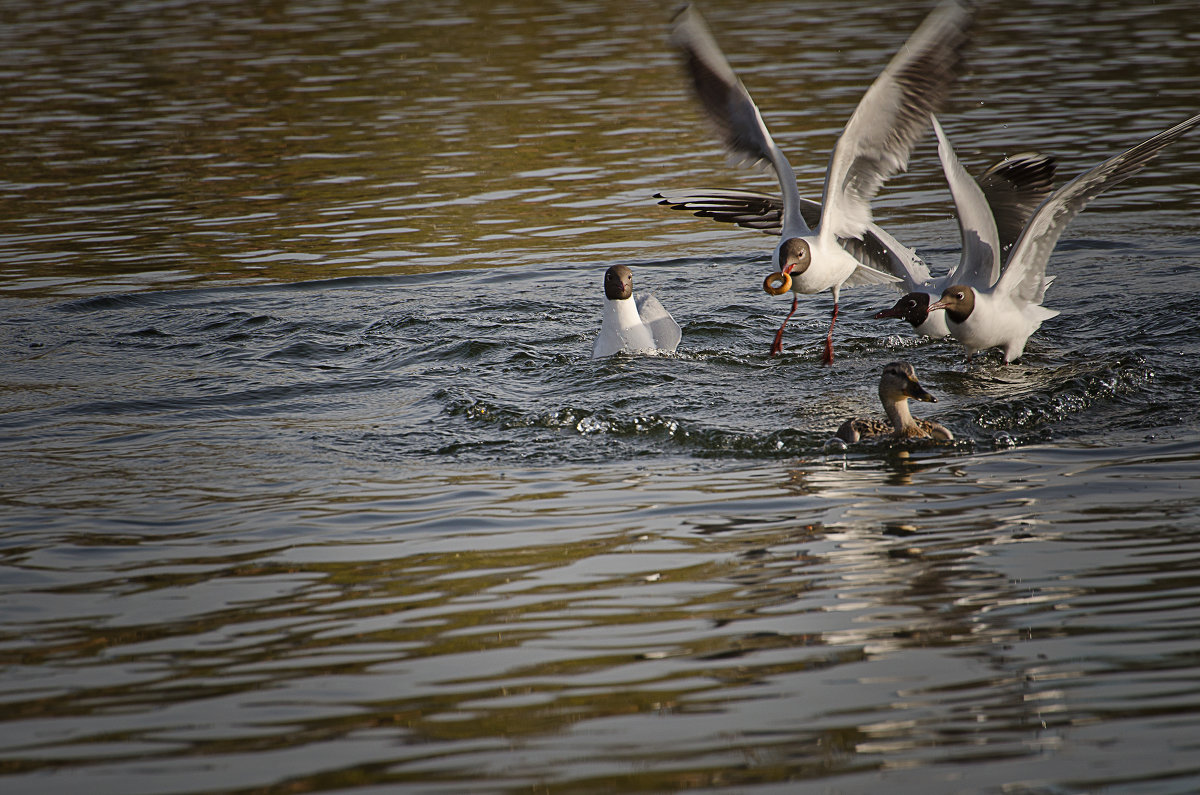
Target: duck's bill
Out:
[917,392]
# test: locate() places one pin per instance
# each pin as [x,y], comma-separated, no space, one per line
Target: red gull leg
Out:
[827,359]
[777,345]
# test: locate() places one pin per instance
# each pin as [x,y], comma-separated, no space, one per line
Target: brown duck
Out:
[897,384]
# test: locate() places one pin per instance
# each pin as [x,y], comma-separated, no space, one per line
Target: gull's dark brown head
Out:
[618,283]
[794,256]
[958,300]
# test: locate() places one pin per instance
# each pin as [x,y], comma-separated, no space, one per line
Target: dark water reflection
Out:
[309,484]
[624,630]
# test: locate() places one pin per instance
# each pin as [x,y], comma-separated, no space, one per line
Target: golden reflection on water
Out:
[297,143]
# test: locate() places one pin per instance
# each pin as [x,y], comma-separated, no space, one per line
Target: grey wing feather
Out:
[608,342]
[1025,274]
[891,117]
[883,260]
[979,261]
[727,102]
[1014,188]
[746,208]
[729,106]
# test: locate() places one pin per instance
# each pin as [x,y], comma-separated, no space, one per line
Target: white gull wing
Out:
[883,260]
[894,257]
[608,342]
[732,111]
[658,320]
[979,260]
[1024,276]
[622,329]
[891,117]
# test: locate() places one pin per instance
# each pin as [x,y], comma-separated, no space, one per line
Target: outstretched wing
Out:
[1015,187]
[891,117]
[878,251]
[746,208]
[884,260]
[979,260]
[1025,274]
[731,110]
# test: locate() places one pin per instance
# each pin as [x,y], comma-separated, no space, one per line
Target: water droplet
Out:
[835,445]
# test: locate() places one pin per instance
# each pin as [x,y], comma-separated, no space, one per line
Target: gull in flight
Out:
[874,146]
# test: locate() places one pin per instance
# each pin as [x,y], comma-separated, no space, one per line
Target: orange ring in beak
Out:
[777,283]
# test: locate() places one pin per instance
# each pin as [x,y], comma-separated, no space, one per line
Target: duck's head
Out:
[913,307]
[958,300]
[618,283]
[899,382]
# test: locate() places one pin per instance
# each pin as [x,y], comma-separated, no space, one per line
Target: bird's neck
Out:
[624,312]
[793,219]
[902,421]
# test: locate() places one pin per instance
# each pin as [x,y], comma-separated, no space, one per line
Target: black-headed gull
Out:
[874,146]
[1013,188]
[897,384]
[1007,313]
[632,325]
[992,211]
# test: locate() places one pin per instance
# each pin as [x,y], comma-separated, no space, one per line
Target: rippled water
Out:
[310,483]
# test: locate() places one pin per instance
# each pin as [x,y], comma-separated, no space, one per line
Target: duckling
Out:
[897,384]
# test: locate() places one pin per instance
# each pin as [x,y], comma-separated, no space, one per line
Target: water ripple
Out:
[312,484]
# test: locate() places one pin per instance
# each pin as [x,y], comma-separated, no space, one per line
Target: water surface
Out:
[310,483]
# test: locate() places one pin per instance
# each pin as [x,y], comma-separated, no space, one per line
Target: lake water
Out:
[310,484]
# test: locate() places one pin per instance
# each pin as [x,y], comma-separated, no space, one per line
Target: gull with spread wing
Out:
[992,212]
[874,146]
[1006,314]
[1012,187]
